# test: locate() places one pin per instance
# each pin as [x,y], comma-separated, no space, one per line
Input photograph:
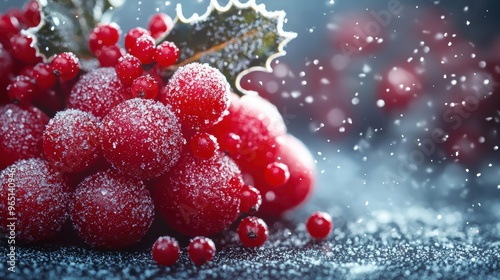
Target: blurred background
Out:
[397,100]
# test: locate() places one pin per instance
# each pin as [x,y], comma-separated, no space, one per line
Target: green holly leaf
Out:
[236,39]
[66,24]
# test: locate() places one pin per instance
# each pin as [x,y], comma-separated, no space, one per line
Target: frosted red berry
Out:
[109,56]
[144,49]
[111,210]
[199,197]
[104,34]
[319,225]
[132,35]
[201,250]
[166,54]
[158,24]
[145,87]
[276,174]
[65,65]
[199,95]
[128,69]
[21,129]
[142,138]
[250,199]
[71,140]
[44,76]
[97,92]
[203,145]
[40,196]
[22,89]
[252,231]
[166,251]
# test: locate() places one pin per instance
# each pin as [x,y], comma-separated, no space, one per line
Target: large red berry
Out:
[158,24]
[142,138]
[71,140]
[33,198]
[201,250]
[199,95]
[21,129]
[128,69]
[104,34]
[111,210]
[252,232]
[319,225]
[65,65]
[97,92]
[166,251]
[200,197]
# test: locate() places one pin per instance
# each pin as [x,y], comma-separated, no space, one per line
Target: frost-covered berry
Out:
[166,251]
[71,140]
[198,94]
[252,231]
[36,196]
[65,65]
[128,69]
[142,138]
[201,250]
[111,210]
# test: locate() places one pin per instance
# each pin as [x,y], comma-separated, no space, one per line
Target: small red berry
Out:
[319,225]
[203,145]
[166,251]
[144,49]
[8,27]
[201,250]
[145,87]
[109,56]
[32,13]
[276,174]
[104,34]
[159,23]
[167,54]
[65,65]
[128,69]
[253,232]
[133,35]
[22,49]
[250,199]
[22,89]
[44,76]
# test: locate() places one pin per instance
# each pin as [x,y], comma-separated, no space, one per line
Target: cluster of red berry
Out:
[107,146]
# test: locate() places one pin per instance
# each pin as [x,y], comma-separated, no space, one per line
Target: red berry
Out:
[166,251]
[97,92]
[104,34]
[252,232]
[201,250]
[40,196]
[8,27]
[65,65]
[22,89]
[128,69]
[144,49]
[71,140]
[6,65]
[44,76]
[276,174]
[21,130]
[199,95]
[132,35]
[203,145]
[250,199]
[109,56]
[32,13]
[319,225]
[167,54]
[145,87]
[399,86]
[111,210]
[142,138]
[22,49]
[199,197]
[159,23]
